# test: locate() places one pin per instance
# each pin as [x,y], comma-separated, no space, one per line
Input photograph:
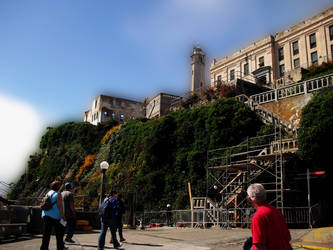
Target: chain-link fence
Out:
[224,218]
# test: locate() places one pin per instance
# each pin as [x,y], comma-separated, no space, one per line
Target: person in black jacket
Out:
[120,212]
[109,220]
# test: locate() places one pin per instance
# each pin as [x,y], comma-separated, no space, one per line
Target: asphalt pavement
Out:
[164,238]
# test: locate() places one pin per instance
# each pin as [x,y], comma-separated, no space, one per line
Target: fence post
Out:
[204,214]
[309,197]
[305,87]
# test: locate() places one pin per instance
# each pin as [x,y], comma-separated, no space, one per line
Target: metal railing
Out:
[223,218]
[293,89]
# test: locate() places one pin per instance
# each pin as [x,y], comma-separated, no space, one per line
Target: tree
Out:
[316,131]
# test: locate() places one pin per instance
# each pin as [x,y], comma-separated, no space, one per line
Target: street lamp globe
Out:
[104,165]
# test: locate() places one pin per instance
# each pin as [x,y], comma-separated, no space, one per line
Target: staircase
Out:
[302,88]
[266,116]
[211,211]
[233,169]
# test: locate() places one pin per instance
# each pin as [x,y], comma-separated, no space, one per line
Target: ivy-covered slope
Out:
[316,132]
[154,158]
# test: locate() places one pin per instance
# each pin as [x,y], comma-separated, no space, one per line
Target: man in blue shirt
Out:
[109,220]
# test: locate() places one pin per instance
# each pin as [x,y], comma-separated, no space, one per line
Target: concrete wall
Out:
[159,105]
[105,108]
[289,109]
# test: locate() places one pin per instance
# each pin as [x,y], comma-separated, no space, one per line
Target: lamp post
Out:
[104,166]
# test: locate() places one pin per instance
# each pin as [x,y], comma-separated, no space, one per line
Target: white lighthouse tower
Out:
[198,69]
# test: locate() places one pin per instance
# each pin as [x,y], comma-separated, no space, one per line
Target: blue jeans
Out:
[108,223]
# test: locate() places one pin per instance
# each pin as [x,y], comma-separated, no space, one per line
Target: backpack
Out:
[104,209]
[46,203]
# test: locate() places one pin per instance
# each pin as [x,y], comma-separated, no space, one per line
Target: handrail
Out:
[293,89]
[232,181]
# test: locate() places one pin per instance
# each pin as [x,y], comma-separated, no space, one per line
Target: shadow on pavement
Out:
[86,245]
[20,238]
[143,244]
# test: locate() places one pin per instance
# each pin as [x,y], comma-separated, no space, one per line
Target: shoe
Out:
[70,240]
[122,239]
[117,247]
[65,248]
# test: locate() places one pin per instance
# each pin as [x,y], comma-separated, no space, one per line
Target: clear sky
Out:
[57,56]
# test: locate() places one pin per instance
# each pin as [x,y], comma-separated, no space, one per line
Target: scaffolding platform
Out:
[231,170]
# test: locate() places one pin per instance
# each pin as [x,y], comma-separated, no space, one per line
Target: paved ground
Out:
[164,238]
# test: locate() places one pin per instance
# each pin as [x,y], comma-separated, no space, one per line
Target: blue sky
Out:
[56,56]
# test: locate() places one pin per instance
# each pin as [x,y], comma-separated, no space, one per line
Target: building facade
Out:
[277,59]
[104,108]
[159,105]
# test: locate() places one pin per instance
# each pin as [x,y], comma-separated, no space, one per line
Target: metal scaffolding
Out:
[256,160]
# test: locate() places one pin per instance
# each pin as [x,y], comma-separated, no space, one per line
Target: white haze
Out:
[20,131]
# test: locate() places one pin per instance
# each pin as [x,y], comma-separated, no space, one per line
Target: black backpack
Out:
[46,203]
[104,209]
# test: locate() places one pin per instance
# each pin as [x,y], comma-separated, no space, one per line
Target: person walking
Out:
[109,220]
[269,228]
[52,217]
[69,211]
[120,213]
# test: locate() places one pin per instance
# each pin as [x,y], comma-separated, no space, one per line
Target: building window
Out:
[95,103]
[281,56]
[331,32]
[232,74]
[295,48]
[332,52]
[282,70]
[106,113]
[261,62]
[313,43]
[113,115]
[122,117]
[314,57]
[219,78]
[246,69]
[296,63]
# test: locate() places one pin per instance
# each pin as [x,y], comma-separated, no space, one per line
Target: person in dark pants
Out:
[51,219]
[109,220]
[69,211]
[248,244]
[120,213]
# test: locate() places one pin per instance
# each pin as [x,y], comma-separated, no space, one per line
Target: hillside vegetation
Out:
[154,158]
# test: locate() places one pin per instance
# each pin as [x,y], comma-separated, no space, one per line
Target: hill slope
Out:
[154,158]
